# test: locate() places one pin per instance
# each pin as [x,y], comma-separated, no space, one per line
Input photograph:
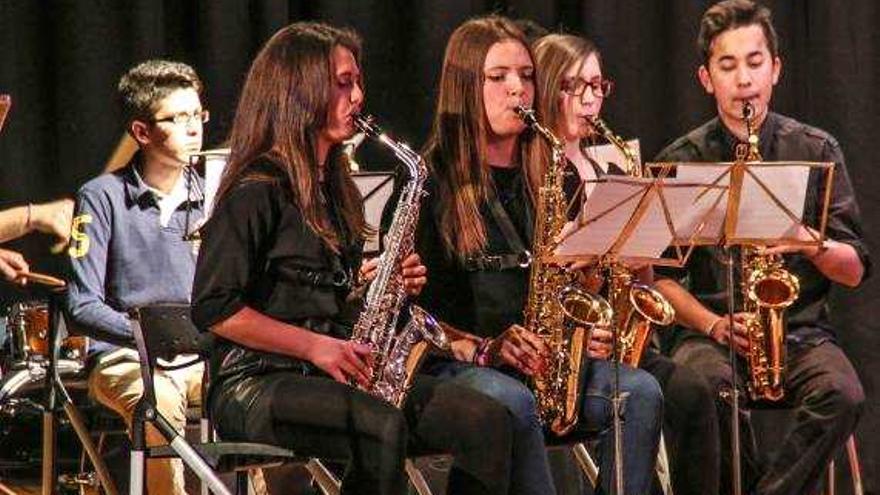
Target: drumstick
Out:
[42,278]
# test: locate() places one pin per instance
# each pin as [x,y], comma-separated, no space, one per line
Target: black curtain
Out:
[61,60]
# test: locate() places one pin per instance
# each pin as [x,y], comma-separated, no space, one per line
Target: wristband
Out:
[481,354]
[712,325]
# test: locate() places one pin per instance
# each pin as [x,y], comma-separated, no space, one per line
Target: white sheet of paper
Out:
[607,211]
[603,154]
[759,217]
[215,163]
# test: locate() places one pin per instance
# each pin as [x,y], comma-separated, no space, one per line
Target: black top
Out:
[485,301]
[780,139]
[257,251]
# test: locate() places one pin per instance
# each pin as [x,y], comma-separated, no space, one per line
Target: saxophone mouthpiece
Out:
[367,124]
[748,110]
[526,114]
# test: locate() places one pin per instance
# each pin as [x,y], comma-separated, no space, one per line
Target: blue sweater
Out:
[122,258]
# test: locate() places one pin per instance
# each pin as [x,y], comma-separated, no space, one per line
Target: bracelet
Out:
[481,354]
[820,250]
[712,325]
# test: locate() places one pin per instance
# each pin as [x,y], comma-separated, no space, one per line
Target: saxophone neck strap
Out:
[519,257]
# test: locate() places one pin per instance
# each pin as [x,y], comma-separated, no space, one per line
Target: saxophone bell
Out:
[585,309]
[651,305]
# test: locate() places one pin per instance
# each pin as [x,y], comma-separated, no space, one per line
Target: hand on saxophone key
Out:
[369,268]
[414,274]
[344,360]
[720,332]
[599,346]
[519,348]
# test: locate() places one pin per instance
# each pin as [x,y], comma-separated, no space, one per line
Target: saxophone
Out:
[556,310]
[768,289]
[398,349]
[636,306]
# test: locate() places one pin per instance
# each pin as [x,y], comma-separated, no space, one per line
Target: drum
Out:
[28,330]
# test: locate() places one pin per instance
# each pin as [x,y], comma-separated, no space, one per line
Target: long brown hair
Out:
[456,147]
[556,54]
[283,106]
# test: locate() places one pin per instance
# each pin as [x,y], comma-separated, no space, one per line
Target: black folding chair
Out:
[164,331]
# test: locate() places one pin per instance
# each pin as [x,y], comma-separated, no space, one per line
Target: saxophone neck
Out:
[415,164]
[749,150]
[531,120]
[599,125]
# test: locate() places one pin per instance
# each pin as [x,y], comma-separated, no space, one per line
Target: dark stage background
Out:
[61,60]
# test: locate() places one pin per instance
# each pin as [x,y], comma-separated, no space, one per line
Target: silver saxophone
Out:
[397,349]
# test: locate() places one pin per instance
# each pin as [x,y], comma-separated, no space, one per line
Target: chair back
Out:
[164,331]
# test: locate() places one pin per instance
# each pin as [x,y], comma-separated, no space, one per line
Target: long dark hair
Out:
[283,106]
[456,147]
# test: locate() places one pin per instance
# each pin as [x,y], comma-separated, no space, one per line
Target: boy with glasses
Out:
[129,247]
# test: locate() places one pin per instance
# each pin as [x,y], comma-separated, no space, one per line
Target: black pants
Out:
[825,393]
[318,417]
[690,425]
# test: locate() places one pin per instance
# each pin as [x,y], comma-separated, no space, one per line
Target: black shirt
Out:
[258,251]
[780,139]
[482,302]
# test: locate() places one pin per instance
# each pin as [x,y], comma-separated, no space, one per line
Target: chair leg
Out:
[416,479]
[663,472]
[587,464]
[327,483]
[855,470]
[204,436]
[241,483]
[831,482]
[137,467]
[855,467]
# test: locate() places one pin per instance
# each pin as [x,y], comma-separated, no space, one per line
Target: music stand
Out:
[762,205]
[628,219]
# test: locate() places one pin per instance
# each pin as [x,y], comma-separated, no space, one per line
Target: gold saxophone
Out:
[556,310]
[768,289]
[636,306]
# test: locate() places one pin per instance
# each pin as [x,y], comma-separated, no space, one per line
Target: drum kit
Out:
[39,362]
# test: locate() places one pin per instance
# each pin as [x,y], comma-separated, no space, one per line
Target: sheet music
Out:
[607,211]
[759,216]
[215,163]
[603,154]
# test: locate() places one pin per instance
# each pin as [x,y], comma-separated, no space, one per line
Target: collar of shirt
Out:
[765,137]
[189,186]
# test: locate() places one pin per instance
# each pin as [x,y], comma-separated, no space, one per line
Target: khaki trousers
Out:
[116,383]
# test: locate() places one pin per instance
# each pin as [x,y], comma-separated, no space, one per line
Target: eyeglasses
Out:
[601,88]
[185,119]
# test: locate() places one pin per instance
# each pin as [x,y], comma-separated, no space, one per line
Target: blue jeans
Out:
[529,468]
[642,415]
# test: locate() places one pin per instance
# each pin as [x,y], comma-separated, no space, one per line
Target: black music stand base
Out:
[735,445]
